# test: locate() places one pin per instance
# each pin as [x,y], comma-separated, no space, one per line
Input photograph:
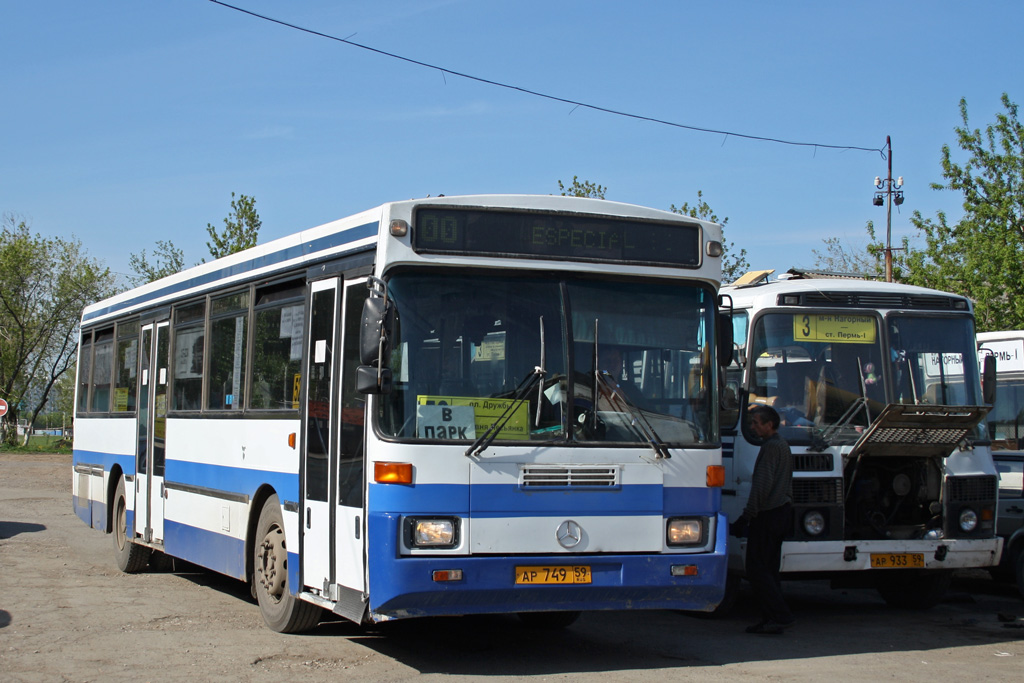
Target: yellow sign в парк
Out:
[836,328]
[487,411]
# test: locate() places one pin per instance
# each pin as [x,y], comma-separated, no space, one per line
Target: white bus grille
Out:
[569,476]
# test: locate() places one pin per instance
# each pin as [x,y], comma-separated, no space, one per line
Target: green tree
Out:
[167,260]
[733,264]
[44,284]
[982,254]
[241,228]
[582,189]
[867,262]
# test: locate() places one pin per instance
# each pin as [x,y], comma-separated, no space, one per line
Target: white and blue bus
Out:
[456,405]
[877,385]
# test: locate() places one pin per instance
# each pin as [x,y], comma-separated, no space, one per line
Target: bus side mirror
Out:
[725,342]
[375,329]
[371,380]
[988,380]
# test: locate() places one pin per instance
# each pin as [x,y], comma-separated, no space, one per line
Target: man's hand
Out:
[740,527]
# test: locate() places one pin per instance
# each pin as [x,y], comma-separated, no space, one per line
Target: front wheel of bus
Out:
[548,620]
[1018,571]
[131,557]
[282,611]
[910,589]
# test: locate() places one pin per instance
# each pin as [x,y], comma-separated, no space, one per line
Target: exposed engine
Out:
[892,497]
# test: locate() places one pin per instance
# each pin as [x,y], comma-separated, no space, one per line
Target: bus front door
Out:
[151,430]
[333,485]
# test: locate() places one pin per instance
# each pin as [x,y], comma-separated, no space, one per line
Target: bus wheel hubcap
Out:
[271,566]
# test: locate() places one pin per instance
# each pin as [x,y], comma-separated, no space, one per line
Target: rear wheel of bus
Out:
[914,590]
[131,557]
[282,611]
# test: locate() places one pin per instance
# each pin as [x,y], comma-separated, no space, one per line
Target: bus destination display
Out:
[555,236]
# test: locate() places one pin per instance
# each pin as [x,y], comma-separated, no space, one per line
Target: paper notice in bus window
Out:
[834,328]
[121,399]
[486,412]
[445,422]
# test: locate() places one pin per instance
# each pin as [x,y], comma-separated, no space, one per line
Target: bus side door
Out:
[333,522]
[151,432]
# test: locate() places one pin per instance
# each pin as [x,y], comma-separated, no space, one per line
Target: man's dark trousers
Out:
[764,554]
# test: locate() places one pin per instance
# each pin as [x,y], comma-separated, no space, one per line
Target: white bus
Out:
[456,405]
[1006,421]
[1006,429]
[877,385]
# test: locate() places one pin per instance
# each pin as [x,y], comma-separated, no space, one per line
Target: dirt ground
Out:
[67,613]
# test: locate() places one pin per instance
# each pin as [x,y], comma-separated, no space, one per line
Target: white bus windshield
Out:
[464,344]
[818,370]
[934,361]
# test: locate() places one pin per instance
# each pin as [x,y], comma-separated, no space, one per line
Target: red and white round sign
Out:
[3,407]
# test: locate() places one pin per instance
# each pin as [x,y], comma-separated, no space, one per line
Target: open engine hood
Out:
[918,430]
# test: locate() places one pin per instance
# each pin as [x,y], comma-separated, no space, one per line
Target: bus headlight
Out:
[968,520]
[685,531]
[431,532]
[814,523]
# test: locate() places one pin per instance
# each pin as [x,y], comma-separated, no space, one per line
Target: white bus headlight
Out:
[432,532]
[814,523]
[968,520]
[685,531]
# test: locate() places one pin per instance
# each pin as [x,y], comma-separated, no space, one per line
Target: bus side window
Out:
[229,322]
[187,361]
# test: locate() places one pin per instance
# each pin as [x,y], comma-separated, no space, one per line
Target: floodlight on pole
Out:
[889,192]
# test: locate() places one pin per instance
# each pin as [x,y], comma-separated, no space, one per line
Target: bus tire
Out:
[282,611]
[548,621]
[1018,570]
[730,598]
[131,557]
[914,590]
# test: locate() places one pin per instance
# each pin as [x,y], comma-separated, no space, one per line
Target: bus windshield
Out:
[820,371]
[934,360]
[621,361]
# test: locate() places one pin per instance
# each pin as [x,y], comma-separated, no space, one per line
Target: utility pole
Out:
[888,192]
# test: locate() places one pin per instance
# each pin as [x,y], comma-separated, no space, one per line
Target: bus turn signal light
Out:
[392,472]
[716,476]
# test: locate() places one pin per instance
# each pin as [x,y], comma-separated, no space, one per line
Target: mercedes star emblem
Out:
[569,534]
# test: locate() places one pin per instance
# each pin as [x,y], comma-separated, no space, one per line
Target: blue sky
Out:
[129,121]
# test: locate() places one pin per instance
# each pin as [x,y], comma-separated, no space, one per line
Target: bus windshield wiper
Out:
[488,437]
[637,419]
[535,376]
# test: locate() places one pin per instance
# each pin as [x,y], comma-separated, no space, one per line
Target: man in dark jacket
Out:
[767,519]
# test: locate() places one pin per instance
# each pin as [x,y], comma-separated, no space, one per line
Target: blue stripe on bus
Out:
[330,241]
[402,586]
[219,552]
[107,460]
[237,480]
[509,500]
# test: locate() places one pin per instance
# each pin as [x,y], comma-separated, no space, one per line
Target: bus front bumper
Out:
[839,556]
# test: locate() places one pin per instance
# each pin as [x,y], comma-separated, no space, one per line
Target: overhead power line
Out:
[535,93]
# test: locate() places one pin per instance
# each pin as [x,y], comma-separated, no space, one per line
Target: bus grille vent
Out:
[569,476]
[810,491]
[918,435]
[812,462]
[964,489]
[878,300]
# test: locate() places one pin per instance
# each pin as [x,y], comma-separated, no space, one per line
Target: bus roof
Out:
[351,235]
[844,293]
